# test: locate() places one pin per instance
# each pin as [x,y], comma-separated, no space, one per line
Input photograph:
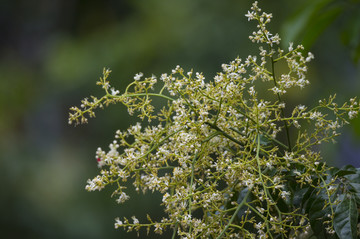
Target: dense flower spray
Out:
[215,153]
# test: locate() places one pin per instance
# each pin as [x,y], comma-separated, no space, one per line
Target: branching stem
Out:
[234,214]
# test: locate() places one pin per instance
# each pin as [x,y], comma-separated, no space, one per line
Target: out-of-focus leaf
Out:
[345,170]
[356,54]
[319,24]
[355,123]
[346,217]
[264,141]
[240,196]
[354,178]
[351,35]
[297,24]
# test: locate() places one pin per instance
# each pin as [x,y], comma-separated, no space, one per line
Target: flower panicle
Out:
[213,151]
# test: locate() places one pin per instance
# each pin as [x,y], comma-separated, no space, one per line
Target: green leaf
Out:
[298,196]
[308,199]
[300,20]
[319,24]
[356,54]
[345,170]
[346,217]
[264,141]
[353,183]
[317,214]
[355,177]
[356,188]
[351,33]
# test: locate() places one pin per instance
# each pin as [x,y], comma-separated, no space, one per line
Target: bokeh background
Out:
[52,53]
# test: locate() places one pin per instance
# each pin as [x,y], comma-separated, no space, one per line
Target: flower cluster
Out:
[215,152]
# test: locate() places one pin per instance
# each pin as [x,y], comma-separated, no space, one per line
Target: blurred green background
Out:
[52,53]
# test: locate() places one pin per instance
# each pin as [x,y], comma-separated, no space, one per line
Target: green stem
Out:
[329,197]
[175,229]
[160,143]
[161,168]
[217,115]
[192,181]
[266,134]
[141,94]
[224,133]
[279,98]
[234,214]
[262,181]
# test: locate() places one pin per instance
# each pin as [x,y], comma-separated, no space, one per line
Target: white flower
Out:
[135,220]
[187,217]
[276,90]
[114,92]
[352,114]
[138,76]
[252,91]
[177,69]
[282,105]
[296,124]
[164,77]
[284,194]
[123,197]
[291,46]
[250,15]
[310,56]
[158,228]
[288,156]
[315,115]
[118,223]
[301,107]
[106,85]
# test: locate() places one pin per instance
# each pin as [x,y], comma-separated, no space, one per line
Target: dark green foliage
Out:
[314,17]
